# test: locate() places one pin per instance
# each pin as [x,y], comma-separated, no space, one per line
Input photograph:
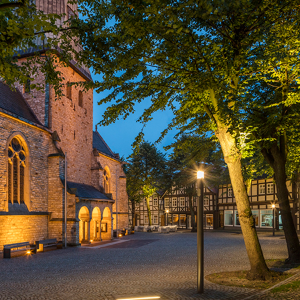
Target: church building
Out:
[39,136]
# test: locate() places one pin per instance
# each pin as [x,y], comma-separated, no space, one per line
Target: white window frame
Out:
[146,221]
[270,188]
[229,192]
[155,219]
[155,201]
[182,201]
[167,202]
[174,202]
[261,189]
[206,201]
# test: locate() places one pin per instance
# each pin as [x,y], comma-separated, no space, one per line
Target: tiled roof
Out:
[85,191]
[101,146]
[14,103]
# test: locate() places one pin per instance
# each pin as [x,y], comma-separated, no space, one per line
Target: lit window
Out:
[167,202]
[80,99]
[266,218]
[229,193]
[174,202]
[182,202]
[228,217]
[270,188]
[262,189]
[16,171]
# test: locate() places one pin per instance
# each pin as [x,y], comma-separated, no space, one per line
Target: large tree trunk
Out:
[259,269]
[194,228]
[276,158]
[149,211]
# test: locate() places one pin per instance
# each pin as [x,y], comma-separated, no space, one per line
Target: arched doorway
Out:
[84,225]
[95,225]
[106,225]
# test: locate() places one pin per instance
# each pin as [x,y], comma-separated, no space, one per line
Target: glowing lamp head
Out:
[28,252]
[273,205]
[120,235]
[167,211]
[200,174]
[91,241]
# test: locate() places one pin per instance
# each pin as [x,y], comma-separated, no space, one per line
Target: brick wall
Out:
[17,229]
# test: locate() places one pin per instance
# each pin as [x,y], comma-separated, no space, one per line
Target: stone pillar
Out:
[77,231]
[88,231]
[100,238]
[112,228]
[95,230]
[83,231]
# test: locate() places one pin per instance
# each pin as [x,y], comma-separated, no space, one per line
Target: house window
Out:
[206,200]
[80,99]
[146,219]
[69,90]
[236,219]
[228,217]
[174,202]
[167,202]
[155,202]
[16,172]
[182,202]
[270,188]
[266,218]
[229,193]
[106,182]
[262,189]
[155,219]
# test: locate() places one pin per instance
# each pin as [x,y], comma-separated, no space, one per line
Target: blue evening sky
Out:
[120,135]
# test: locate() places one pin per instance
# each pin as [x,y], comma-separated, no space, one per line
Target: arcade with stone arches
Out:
[95,223]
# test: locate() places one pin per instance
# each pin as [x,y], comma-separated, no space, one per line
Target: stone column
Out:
[112,228]
[88,231]
[100,238]
[83,231]
[95,230]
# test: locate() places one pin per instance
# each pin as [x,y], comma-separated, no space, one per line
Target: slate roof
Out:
[14,103]
[101,146]
[85,191]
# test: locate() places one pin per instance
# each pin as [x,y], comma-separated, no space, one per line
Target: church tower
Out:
[70,116]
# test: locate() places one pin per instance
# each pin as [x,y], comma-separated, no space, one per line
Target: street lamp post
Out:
[200,235]
[167,211]
[273,207]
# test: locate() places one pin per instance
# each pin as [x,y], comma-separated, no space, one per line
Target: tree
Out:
[193,57]
[271,115]
[144,173]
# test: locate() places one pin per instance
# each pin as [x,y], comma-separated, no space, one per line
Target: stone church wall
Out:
[39,143]
[24,228]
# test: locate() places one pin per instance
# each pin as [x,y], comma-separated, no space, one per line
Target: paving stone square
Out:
[142,264]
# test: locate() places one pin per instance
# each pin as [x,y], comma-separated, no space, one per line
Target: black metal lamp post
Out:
[200,235]
[273,207]
[167,211]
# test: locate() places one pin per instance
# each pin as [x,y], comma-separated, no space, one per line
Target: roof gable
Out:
[101,146]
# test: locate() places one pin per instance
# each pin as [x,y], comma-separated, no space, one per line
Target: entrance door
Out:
[209,221]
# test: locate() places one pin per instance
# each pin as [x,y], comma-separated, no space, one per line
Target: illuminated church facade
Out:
[37,133]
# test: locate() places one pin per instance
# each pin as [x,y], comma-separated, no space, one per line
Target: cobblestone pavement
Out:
[149,264]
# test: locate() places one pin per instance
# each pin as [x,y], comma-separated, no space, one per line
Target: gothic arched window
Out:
[16,171]
[106,181]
